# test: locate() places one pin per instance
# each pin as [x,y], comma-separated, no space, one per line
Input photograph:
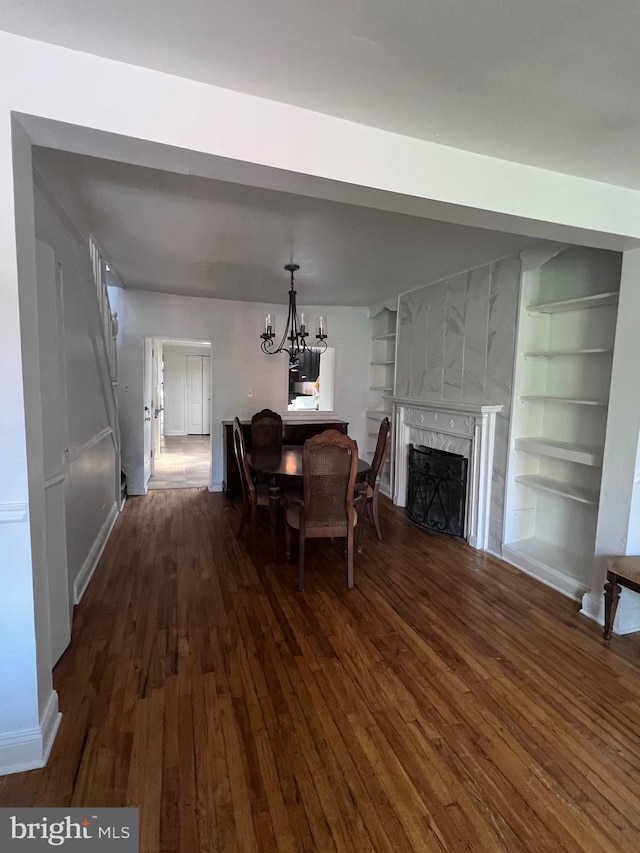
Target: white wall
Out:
[175,385]
[618,529]
[238,365]
[90,488]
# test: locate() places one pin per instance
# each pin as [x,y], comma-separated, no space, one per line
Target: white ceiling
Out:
[195,236]
[555,84]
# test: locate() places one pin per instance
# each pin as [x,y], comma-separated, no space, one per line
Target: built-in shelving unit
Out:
[381,379]
[565,339]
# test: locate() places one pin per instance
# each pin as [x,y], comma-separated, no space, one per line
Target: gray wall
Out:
[90,488]
[456,341]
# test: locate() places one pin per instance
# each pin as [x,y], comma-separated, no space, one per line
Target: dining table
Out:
[283,467]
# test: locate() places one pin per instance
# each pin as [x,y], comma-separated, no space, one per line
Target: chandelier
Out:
[295,334]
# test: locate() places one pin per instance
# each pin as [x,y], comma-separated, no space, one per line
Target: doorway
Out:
[180,410]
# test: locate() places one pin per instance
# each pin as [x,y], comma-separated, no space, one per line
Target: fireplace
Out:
[459,427]
[437,489]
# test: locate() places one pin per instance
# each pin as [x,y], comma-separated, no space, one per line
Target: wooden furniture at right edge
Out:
[564,346]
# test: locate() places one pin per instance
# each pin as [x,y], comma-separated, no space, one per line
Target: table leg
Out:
[274,504]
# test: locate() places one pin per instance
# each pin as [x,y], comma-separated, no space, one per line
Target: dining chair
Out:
[375,474]
[266,429]
[253,495]
[329,466]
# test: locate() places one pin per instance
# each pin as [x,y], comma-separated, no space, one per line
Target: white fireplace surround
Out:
[456,426]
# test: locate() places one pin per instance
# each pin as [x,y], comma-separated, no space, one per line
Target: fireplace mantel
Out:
[464,427]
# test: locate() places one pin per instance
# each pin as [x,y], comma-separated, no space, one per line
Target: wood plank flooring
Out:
[448,703]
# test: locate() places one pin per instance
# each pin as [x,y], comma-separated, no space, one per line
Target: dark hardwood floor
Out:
[447,703]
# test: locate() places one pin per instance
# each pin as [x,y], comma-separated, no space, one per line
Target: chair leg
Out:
[611,598]
[243,517]
[301,562]
[358,533]
[350,559]
[374,509]
[287,538]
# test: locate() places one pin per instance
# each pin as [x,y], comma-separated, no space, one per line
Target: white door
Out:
[147,414]
[156,383]
[198,394]
[206,395]
[54,434]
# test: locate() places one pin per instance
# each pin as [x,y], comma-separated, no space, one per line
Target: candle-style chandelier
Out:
[295,334]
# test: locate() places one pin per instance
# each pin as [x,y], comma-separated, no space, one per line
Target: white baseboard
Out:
[89,566]
[627,619]
[29,749]
[554,578]
[215,487]
[175,432]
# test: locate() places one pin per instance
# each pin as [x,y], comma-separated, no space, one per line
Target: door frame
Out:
[157,346]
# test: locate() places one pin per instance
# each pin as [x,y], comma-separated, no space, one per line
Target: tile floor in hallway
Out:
[183,462]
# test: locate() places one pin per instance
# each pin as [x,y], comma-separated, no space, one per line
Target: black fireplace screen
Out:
[437,489]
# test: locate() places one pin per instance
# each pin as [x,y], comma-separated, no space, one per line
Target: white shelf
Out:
[382,388]
[597,300]
[575,401]
[559,487]
[377,414]
[567,352]
[546,554]
[566,450]
[378,363]
[389,336]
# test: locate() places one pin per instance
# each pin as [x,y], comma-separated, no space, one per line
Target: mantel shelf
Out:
[596,300]
[566,450]
[376,363]
[575,401]
[558,353]
[389,336]
[560,487]
[380,388]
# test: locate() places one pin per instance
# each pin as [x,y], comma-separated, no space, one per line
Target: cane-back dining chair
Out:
[253,495]
[329,465]
[266,430]
[375,474]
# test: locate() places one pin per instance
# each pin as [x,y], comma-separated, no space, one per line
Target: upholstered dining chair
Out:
[266,429]
[253,495]
[375,474]
[329,465]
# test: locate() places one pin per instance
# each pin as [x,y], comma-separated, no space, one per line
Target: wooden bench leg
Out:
[611,598]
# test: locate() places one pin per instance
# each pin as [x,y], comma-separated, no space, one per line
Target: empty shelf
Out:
[566,450]
[386,337]
[597,300]
[576,401]
[380,388]
[547,554]
[559,487]
[377,363]
[566,352]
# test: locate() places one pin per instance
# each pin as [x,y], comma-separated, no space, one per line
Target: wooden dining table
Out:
[283,466]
